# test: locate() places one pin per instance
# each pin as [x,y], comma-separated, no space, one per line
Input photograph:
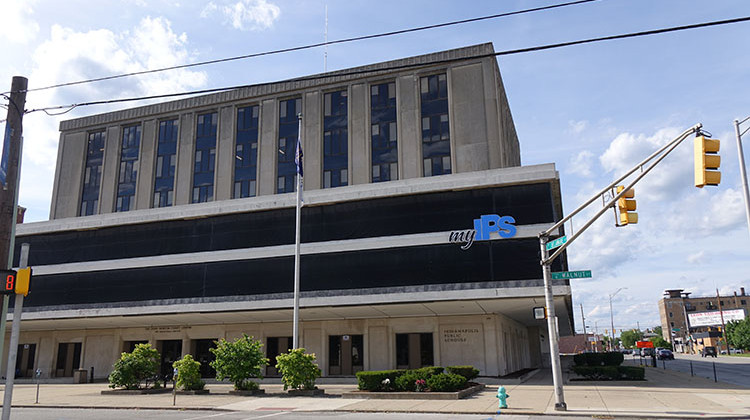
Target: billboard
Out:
[704,319]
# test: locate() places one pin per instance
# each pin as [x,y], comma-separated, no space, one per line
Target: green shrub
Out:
[407,382]
[188,373]
[612,373]
[239,361]
[298,369]
[446,382]
[376,380]
[135,370]
[468,372]
[612,358]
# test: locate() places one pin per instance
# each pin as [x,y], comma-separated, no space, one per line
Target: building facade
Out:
[689,323]
[173,224]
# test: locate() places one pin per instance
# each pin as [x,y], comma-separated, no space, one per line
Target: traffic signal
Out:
[707,162]
[7,282]
[625,206]
[23,281]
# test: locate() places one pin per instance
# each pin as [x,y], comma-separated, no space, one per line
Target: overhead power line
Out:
[405,66]
[309,46]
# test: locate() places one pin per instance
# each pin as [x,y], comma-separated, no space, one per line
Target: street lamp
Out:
[612,318]
[743,171]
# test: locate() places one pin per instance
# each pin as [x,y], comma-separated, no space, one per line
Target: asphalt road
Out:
[98,414]
[732,370]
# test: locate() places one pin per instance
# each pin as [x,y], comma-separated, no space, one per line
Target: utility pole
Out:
[10,167]
[723,327]
[583,321]
[743,171]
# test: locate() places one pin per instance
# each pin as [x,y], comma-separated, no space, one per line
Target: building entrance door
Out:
[171,351]
[204,356]
[25,360]
[274,347]
[414,350]
[346,354]
[68,359]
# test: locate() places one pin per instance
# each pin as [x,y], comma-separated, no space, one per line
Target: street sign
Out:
[557,242]
[675,329]
[571,274]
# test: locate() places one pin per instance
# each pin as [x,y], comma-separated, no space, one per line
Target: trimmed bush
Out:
[430,370]
[135,370]
[408,381]
[298,369]
[468,372]
[446,382]
[239,361]
[610,373]
[612,358]
[188,374]
[376,380]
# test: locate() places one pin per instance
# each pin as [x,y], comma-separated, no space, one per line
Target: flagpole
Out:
[298,158]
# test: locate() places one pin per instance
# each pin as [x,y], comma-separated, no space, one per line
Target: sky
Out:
[595,110]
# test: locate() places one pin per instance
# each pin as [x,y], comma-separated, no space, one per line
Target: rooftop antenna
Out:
[325,35]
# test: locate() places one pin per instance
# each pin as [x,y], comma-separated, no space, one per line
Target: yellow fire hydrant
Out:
[502,397]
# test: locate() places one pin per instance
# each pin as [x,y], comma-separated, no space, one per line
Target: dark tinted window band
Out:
[495,261]
[423,213]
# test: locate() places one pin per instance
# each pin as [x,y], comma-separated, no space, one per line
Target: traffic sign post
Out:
[581,274]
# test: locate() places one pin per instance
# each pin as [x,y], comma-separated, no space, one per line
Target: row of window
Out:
[383,139]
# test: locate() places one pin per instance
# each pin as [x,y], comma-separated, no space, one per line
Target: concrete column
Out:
[110,170]
[185,152]
[491,111]
[490,346]
[359,152]
[144,192]
[312,143]
[71,160]
[225,155]
[409,128]
[268,149]
[468,119]
[185,346]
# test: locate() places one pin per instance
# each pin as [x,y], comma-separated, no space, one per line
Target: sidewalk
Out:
[665,394]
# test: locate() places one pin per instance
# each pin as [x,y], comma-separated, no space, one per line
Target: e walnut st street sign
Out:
[571,274]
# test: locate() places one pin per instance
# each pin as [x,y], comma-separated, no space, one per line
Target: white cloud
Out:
[697,258]
[580,164]
[69,55]
[246,15]
[577,127]
[18,26]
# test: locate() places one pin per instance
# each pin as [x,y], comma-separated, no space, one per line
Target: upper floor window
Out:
[129,149]
[246,152]
[166,155]
[335,140]
[205,158]
[288,134]
[92,175]
[383,132]
[436,147]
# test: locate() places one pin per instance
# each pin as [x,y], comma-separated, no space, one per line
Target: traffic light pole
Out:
[743,170]
[10,372]
[547,260]
[11,165]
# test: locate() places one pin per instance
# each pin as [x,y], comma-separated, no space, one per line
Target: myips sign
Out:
[483,228]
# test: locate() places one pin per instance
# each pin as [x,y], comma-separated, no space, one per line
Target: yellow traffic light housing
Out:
[23,281]
[625,206]
[707,162]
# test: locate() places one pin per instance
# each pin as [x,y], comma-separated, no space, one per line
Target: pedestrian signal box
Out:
[7,282]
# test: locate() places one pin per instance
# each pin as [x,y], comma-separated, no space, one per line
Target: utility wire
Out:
[309,46]
[405,66]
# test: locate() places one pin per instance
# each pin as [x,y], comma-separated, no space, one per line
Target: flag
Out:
[298,158]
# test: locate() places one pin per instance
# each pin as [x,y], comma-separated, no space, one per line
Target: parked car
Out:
[708,351]
[665,354]
[647,352]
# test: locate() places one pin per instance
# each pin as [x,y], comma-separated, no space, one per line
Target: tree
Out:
[629,337]
[738,334]
[658,331]
[659,341]
[133,368]
[188,373]
[239,361]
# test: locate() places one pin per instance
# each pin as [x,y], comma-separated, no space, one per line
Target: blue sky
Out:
[594,110]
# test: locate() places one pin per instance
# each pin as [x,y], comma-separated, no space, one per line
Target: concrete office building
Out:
[173,224]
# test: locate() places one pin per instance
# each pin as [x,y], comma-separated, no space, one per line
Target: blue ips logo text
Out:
[483,228]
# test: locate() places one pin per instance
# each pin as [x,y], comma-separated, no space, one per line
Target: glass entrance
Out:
[171,351]
[25,360]
[414,350]
[346,354]
[274,347]
[203,355]
[68,359]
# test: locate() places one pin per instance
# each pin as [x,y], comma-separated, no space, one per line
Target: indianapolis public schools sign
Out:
[483,227]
